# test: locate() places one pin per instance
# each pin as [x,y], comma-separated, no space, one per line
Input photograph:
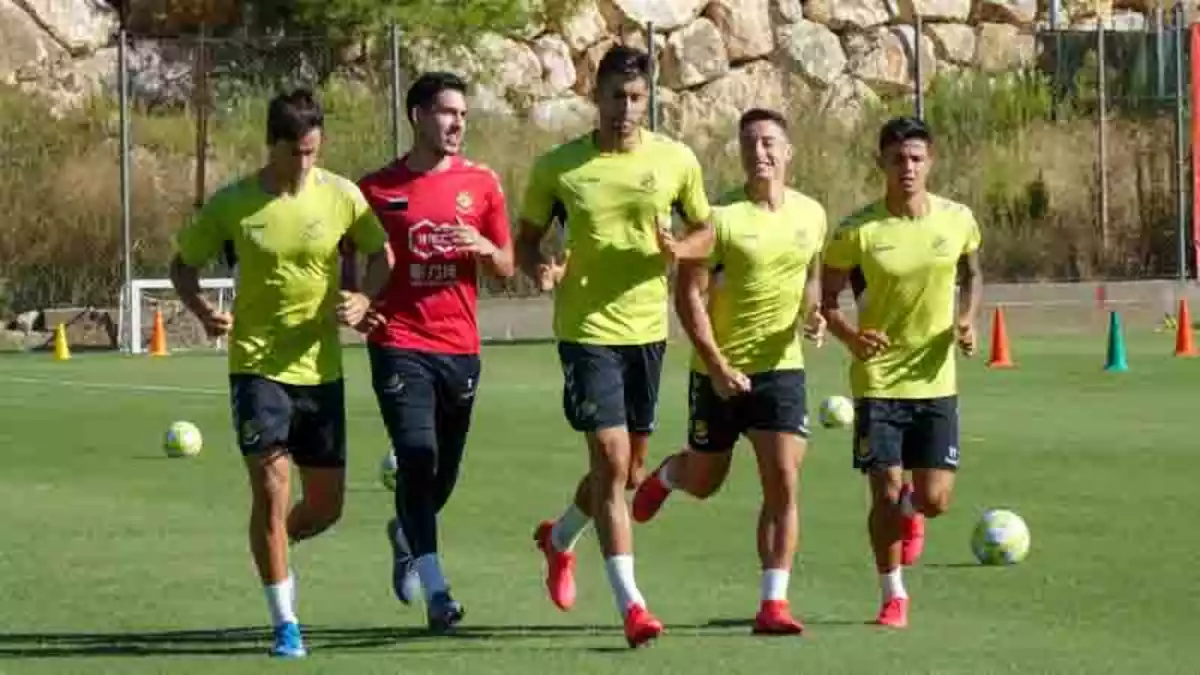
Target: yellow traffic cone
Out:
[62,351]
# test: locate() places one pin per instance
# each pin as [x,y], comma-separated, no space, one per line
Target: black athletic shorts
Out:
[309,421]
[425,398]
[910,433]
[776,402]
[611,386]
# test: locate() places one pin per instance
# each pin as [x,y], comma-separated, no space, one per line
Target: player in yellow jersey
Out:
[744,310]
[282,227]
[614,188]
[905,254]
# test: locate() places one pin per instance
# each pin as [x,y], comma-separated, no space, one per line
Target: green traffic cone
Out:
[1116,360]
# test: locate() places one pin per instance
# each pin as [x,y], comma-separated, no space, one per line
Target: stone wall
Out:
[715,57]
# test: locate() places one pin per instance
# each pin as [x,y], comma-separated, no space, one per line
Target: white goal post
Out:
[132,300]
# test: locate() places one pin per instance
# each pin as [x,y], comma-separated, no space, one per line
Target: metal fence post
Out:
[1181,190]
[918,72]
[1102,131]
[126,326]
[652,52]
[397,106]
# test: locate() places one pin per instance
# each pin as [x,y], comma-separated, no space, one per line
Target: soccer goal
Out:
[144,297]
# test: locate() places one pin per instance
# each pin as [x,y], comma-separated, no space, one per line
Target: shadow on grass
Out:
[256,640]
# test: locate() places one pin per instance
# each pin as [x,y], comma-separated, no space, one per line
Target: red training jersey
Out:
[431,298]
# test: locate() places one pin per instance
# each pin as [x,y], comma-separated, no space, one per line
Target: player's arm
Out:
[365,235]
[197,244]
[495,247]
[698,239]
[810,307]
[842,255]
[691,304]
[970,290]
[537,210]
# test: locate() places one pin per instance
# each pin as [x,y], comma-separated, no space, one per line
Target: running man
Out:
[282,226]
[905,253]
[614,188]
[744,310]
[446,218]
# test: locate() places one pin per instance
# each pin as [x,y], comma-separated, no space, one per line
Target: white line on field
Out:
[82,384]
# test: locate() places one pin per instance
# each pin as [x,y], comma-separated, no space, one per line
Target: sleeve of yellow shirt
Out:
[692,199]
[843,251]
[538,203]
[201,240]
[720,238]
[365,229]
[821,219]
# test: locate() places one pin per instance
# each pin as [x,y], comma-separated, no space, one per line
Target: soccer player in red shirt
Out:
[445,217]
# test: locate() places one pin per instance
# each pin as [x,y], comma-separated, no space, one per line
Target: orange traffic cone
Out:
[1185,344]
[1000,353]
[158,337]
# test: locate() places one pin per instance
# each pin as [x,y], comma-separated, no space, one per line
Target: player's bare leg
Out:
[886,527]
[700,474]
[270,486]
[639,445]
[610,456]
[323,492]
[779,456]
[926,495]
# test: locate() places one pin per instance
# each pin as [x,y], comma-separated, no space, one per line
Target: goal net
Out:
[144,298]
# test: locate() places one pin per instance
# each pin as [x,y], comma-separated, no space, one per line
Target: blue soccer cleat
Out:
[405,582]
[288,643]
[444,612]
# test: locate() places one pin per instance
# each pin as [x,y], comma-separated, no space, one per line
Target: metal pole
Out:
[1102,130]
[1181,190]
[918,74]
[397,106]
[126,204]
[652,52]
[200,101]
[1160,53]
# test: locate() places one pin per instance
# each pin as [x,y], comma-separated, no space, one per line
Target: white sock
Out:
[906,505]
[891,585]
[667,476]
[293,584]
[620,576]
[774,584]
[429,569]
[568,528]
[279,601]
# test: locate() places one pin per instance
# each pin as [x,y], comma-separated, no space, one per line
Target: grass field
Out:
[115,559]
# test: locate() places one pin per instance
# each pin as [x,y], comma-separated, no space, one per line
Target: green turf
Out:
[114,559]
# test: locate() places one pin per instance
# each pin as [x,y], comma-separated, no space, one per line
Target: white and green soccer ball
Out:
[836,412]
[182,439]
[1001,537]
[387,470]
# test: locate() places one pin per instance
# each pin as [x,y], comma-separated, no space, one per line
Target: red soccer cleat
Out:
[775,618]
[894,613]
[650,496]
[640,626]
[913,534]
[560,568]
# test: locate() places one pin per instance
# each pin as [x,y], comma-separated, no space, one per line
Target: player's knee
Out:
[933,504]
[611,460]
[416,462]
[779,490]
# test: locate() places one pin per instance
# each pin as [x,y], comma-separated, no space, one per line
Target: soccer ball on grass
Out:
[1001,537]
[836,411]
[182,439]
[387,470]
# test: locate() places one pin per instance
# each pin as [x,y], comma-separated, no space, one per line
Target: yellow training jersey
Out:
[615,288]
[760,265]
[910,267]
[284,322]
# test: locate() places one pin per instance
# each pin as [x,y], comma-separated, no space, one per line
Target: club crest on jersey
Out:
[463,202]
[649,182]
[939,245]
[427,239]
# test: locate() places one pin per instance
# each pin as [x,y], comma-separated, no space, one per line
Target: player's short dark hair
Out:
[292,115]
[901,129]
[755,115]
[625,62]
[424,91]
